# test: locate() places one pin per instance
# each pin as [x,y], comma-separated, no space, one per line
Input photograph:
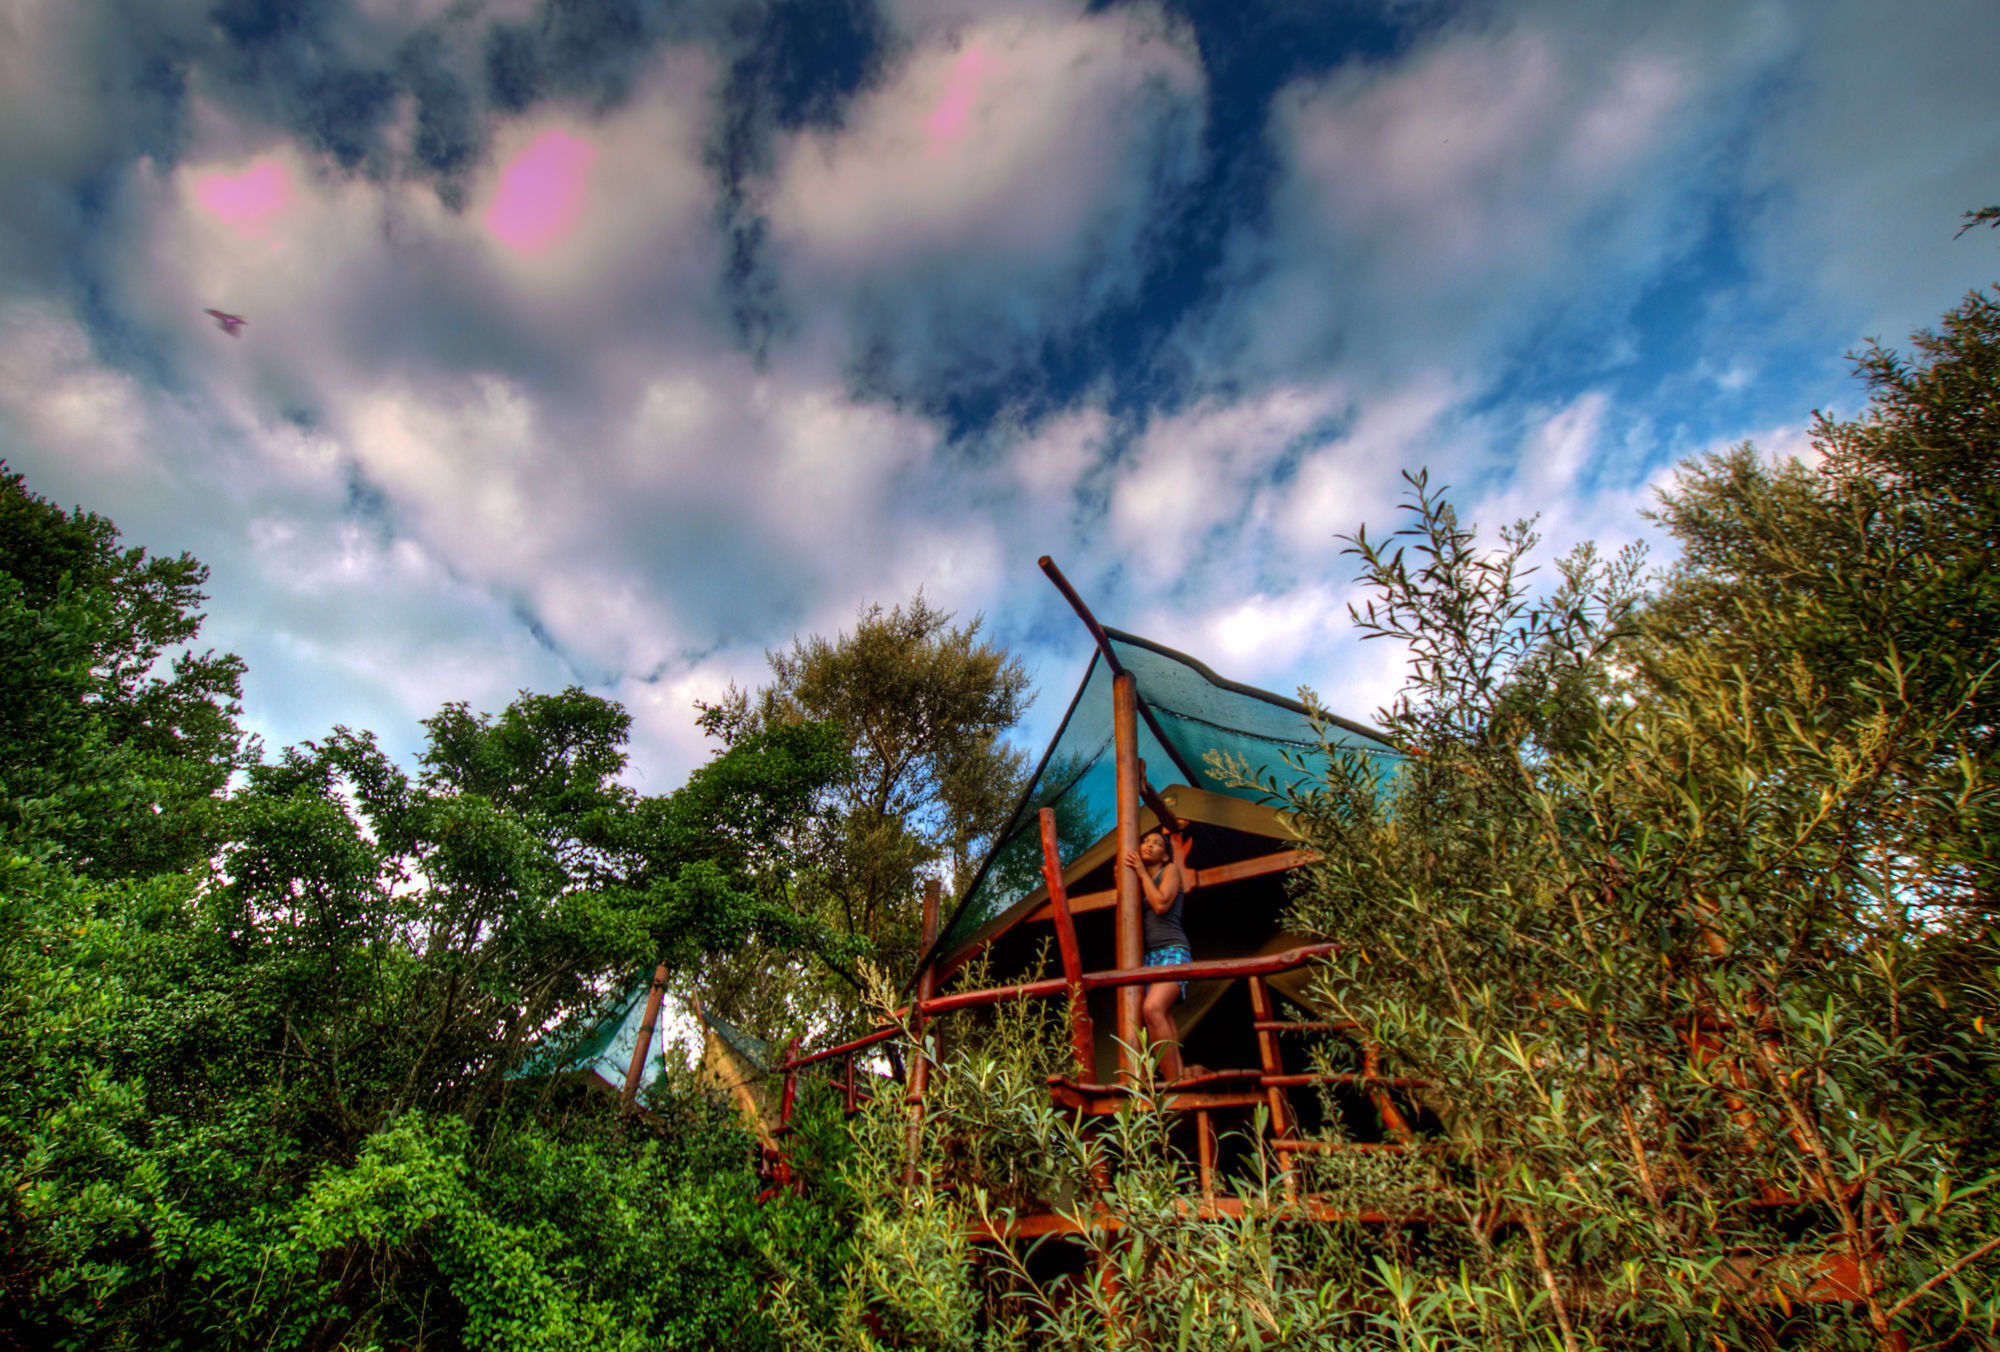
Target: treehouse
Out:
[1154,738]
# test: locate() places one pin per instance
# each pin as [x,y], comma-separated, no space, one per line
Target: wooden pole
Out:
[790,1096]
[920,1060]
[637,1069]
[1082,1033]
[1131,949]
[1263,1011]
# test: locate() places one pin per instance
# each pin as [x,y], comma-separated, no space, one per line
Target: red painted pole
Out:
[1082,1034]
[637,1069]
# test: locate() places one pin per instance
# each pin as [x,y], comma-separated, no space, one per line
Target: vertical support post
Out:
[1131,951]
[1272,1063]
[1082,1033]
[1393,1120]
[791,1093]
[781,1159]
[920,1056]
[1204,1127]
[637,1069]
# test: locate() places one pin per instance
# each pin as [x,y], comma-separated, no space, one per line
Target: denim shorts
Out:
[1170,956]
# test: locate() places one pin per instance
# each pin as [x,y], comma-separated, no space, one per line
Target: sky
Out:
[615,343]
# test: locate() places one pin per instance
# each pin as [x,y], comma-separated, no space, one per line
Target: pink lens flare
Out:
[248,200]
[542,192]
[947,121]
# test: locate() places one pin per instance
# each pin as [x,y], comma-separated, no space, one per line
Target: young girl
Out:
[1163,879]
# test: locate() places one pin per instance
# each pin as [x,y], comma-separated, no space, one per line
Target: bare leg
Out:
[1158,1009]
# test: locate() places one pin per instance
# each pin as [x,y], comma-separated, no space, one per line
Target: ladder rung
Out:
[1284,1026]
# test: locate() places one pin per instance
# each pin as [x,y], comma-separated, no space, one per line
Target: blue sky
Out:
[615,343]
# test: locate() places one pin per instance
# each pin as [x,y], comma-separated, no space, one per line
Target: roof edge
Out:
[1238,687]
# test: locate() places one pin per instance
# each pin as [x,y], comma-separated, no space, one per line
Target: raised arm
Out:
[1160,896]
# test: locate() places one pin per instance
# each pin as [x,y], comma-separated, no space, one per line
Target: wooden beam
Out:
[637,1069]
[1082,1034]
[1212,969]
[1130,947]
[920,1055]
[1254,867]
[1273,1063]
[1063,1223]
[789,1097]
[866,1040]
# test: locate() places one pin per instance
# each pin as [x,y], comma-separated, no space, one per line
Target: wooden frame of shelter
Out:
[1244,1003]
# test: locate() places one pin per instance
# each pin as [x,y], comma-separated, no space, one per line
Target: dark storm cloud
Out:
[448,136]
[791,65]
[283,59]
[1114,327]
[588,49]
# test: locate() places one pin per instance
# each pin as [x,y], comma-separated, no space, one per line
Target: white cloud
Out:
[1543,160]
[1189,474]
[1012,142]
[1051,466]
[1004,184]
[1356,480]
[53,395]
[1886,130]
[1265,633]
[427,439]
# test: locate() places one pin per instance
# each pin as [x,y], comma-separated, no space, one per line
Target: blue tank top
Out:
[1162,930]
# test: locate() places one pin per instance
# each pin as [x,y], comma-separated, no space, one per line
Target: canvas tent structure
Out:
[620,1048]
[1190,726]
[1154,736]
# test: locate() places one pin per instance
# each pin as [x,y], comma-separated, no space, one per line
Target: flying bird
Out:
[230,324]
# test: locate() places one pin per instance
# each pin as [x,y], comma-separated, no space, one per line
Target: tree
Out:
[1682,902]
[115,739]
[278,1105]
[258,1049]
[922,706]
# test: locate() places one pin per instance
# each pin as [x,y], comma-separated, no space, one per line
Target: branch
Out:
[1944,1274]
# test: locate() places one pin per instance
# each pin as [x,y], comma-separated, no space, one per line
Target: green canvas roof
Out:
[1186,712]
[605,1050]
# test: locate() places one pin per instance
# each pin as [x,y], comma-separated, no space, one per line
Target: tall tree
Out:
[922,705]
[1682,905]
[282,1105]
[116,738]
[258,1048]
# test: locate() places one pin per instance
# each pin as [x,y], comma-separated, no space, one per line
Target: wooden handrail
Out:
[1345,1077]
[1215,969]
[1256,867]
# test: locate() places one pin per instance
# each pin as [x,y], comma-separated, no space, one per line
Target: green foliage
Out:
[256,1050]
[1683,903]
[1154,1271]
[113,745]
[1682,911]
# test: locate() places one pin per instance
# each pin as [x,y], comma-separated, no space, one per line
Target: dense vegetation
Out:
[257,1045]
[1685,905]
